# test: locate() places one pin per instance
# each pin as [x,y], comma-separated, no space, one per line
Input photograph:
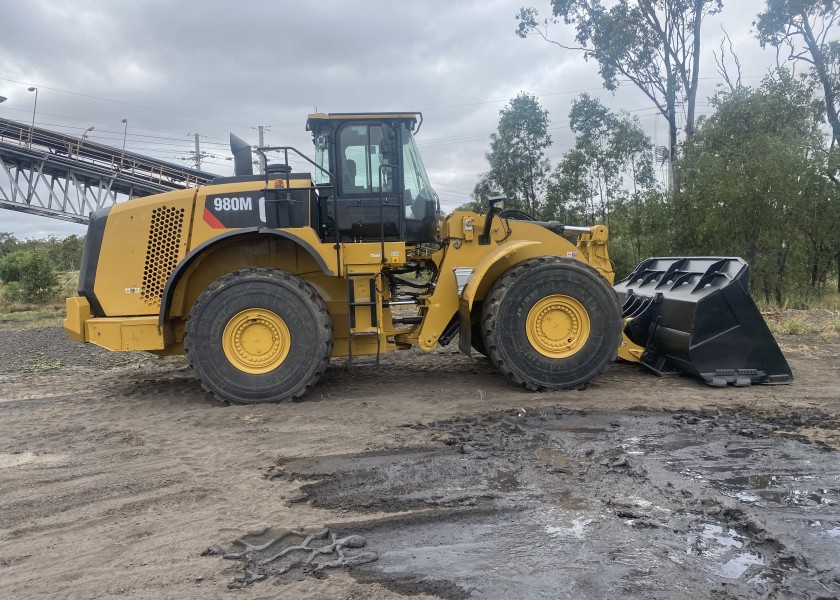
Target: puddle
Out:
[590,506]
[724,548]
[576,529]
[787,490]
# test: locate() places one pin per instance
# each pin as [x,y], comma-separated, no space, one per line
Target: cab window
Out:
[362,150]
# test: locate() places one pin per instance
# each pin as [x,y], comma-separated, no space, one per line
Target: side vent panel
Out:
[163,251]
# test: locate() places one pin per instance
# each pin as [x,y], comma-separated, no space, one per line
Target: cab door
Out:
[369,199]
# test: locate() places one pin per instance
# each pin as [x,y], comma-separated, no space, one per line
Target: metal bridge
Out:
[43,172]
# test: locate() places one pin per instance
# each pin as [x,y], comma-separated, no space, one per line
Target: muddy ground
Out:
[430,476]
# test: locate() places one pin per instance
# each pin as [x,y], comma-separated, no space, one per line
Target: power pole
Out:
[261,131]
[197,154]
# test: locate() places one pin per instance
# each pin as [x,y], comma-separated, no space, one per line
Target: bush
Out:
[13,265]
[12,292]
[29,277]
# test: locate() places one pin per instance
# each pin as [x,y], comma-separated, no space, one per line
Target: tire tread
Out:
[322,314]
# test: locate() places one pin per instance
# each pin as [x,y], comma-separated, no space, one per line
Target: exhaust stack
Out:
[241,150]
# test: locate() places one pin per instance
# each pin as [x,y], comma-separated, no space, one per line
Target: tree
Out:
[8,243]
[518,167]
[653,43]
[754,186]
[608,173]
[802,28]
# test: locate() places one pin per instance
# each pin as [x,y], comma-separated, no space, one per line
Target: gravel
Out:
[48,348]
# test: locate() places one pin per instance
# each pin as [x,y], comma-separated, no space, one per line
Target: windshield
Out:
[418,190]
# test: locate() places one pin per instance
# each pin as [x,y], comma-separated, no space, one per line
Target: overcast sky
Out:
[174,69]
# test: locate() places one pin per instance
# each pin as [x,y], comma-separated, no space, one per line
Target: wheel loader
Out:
[261,279]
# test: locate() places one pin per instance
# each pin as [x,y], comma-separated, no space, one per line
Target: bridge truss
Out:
[55,175]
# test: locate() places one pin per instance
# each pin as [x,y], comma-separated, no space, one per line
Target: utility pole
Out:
[197,154]
[261,131]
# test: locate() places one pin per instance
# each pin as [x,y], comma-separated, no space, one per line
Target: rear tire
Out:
[551,323]
[259,335]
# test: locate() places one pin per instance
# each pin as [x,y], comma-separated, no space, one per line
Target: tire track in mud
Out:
[558,504]
[517,527]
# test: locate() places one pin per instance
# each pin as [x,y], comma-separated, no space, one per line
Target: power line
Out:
[162,110]
[88,121]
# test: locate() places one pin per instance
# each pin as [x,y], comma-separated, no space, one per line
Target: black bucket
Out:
[694,315]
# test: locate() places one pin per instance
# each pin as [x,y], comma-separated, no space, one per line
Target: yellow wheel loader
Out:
[261,279]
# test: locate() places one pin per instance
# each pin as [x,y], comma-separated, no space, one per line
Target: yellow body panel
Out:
[511,242]
[123,334]
[145,240]
[78,313]
[629,351]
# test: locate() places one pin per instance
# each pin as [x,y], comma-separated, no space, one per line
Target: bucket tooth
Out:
[695,315]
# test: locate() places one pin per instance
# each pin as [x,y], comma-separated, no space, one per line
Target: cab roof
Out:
[319,118]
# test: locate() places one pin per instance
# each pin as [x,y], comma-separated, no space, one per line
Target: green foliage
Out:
[65,253]
[12,292]
[518,167]
[29,276]
[759,178]
[654,44]
[475,206]
[43,363]
[754,186]
[802,30]
[8,243]
[12,266]
[608,177]
[796,326]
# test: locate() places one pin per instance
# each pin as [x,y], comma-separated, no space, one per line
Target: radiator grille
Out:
[162,252]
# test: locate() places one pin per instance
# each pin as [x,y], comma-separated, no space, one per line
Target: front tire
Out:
[259,335]
[551,323]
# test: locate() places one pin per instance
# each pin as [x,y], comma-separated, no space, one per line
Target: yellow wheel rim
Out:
[557,326]
[256,341]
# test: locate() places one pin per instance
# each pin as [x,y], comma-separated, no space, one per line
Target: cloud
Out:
[219,66]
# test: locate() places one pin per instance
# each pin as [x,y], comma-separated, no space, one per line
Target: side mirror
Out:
[496,203]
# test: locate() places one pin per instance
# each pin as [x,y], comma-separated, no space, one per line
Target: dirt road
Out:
[438,478]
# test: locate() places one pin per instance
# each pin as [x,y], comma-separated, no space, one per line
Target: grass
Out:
[29,316]
[822,300]
[43,364]
[796,326]
[21,315]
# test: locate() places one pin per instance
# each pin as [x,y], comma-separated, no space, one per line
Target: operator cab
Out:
[373,185]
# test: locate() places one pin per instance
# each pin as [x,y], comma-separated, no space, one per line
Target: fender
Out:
[175,276]
[502,252]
